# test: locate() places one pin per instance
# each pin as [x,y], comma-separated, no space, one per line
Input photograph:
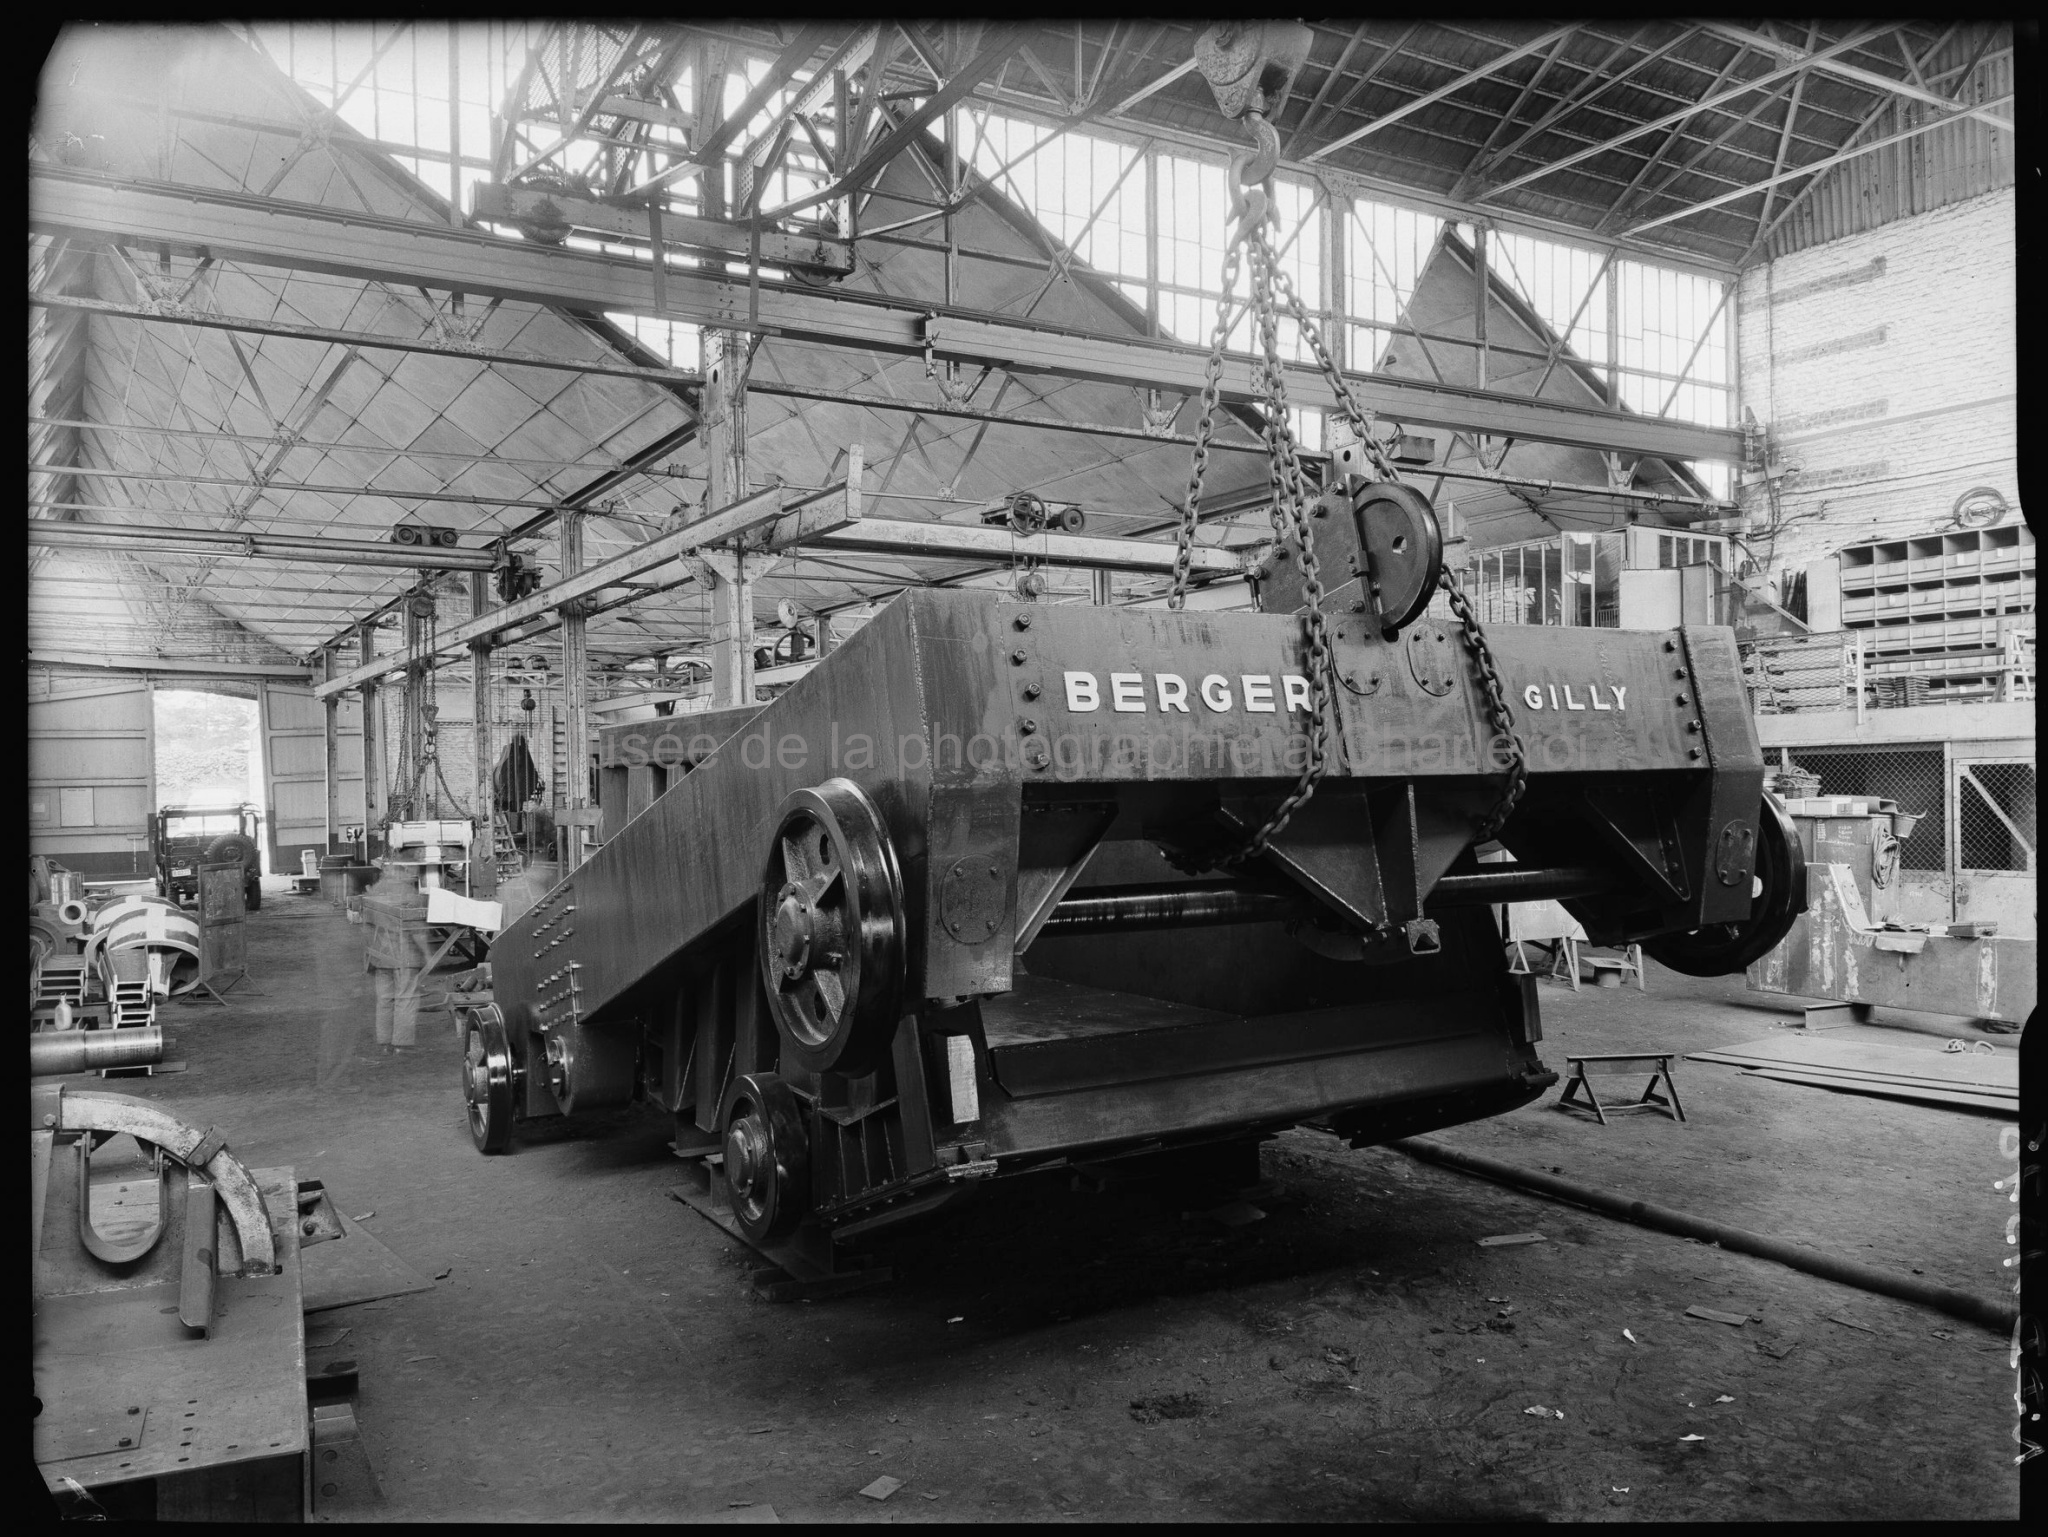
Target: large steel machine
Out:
[1000,886]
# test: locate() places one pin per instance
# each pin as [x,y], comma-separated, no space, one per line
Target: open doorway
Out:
[208,753]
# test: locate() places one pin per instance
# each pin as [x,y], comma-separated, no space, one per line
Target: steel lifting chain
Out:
[1252,209]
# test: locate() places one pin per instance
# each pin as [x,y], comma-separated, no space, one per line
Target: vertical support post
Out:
[330,731]
[1482,295]
[454,124]
[732,590]
[953,181]
[1151,242]
[483,863]
[373,761]
[1614,336]
[1104,593]
[1337,335]
[575,699]
[724,431]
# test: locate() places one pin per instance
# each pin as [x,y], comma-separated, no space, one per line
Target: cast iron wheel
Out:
[767,1156]
[488,1079]
[1399,531]
[831,930]
[1722,949]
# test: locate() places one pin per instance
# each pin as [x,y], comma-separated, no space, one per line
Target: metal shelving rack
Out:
[1940,615]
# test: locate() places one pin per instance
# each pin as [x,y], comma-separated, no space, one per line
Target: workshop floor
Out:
[594,1351]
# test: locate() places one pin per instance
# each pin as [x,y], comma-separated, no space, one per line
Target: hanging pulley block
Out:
[1380,550]
[1251,65]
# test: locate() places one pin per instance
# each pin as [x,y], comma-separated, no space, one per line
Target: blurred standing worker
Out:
[516,783]
[395,909]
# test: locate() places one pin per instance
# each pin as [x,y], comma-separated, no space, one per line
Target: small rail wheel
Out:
[489,1078]
[831,930]
[767,1156]
[1722,949]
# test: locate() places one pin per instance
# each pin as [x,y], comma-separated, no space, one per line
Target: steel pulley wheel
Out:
[831,929]
[489,1079]
[1404,543]
[1722,949]
[767,1156]
[1027,514]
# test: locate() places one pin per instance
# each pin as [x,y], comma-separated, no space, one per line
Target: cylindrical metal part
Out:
[1119,909]
[1996,1314]
[1515,884]
[83,1051]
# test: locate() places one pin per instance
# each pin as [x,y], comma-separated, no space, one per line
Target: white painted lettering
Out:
[1173,691]
[1569,702]
[1216,691]
[1127,691]
[1553,696]
[1258,692]
[1532,696]
[1081,691]
[1297,693]
[1594,690]
[1620,696]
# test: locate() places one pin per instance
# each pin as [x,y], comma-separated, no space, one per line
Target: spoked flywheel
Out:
[489,1078]
[767,1156]
[831,929]
[1722,949]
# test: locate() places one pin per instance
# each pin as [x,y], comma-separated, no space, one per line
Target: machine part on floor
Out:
[1780,876]
[488,1077]
[1850,945]
[64,1110]
[169,934]
[879,859]
[55,1053]
[344,1483]
[168,1346]
[1998,1316]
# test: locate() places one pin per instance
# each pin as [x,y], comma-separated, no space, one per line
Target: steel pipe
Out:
[1125,909]
[55,1052]
[1994,1314]
[1512,883]
[1121,909]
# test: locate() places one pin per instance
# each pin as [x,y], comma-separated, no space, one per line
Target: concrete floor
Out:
[595,1353]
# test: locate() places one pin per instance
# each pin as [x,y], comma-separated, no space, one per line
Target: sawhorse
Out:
[1657,1062]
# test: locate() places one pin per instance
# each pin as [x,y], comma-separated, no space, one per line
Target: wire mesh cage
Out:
[1911,776]
[1996,816]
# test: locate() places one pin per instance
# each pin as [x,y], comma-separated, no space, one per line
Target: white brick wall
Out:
[1886,370]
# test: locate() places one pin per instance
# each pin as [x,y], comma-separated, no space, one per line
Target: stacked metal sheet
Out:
[1981,1078]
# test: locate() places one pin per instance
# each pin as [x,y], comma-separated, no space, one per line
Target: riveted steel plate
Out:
[1433,659]
[1734,853]
[971,899]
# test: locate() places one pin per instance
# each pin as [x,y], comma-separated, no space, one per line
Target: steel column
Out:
[575,700]
[483,864]
[330,709]
[366,637]
[732,590]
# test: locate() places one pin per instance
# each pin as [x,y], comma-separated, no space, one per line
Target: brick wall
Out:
[1884,366]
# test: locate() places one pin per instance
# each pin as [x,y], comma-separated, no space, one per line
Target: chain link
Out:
[1290,517]
[1205,428]
[1498,715]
